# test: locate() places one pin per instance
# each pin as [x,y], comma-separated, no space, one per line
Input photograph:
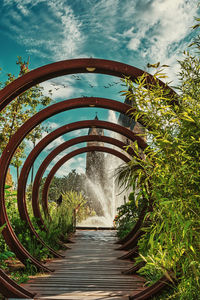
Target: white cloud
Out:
[133,44]
[61,155]
[23,9]
[66,168]
[71,37]
[113,39]
[129,33]
[80,170]
[77,163]
[52,125]
[150,30]
[160,29]
[59,37]
[78,132]
[104,16]
[80,159]
[58,90]
[54,144]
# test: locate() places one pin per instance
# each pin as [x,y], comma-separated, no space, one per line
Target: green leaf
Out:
[2,227]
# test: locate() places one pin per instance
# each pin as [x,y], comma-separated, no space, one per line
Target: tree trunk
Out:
[32,169]
[17,172]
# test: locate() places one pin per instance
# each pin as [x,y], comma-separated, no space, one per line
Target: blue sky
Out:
[135,32]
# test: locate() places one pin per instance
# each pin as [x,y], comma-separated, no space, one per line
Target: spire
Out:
[98,131]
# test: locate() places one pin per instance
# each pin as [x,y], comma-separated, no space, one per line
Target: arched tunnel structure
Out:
[8,287]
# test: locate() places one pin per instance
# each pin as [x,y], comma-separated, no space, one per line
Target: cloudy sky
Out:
[135,32]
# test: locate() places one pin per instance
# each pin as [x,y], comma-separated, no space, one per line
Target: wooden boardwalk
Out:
[90,270]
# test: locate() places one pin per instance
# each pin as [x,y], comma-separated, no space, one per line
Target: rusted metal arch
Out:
[151,290]
[8,233]
[44,142]
[65,158]
[30,79]
[132,242]
[52,155]
[131,254]
[68,104]
[10,288]
[66,67]
[61,68]
[134,269]
[135,228]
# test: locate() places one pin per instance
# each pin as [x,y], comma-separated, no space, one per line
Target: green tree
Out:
[72,182]
[76,202]
[169,178]
[19,111]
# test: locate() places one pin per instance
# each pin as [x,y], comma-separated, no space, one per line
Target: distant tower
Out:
[95,170]
[95,165]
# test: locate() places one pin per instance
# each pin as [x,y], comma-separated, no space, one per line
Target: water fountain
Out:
[109,195]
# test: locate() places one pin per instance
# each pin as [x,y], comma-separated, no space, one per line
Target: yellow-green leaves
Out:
[1,228]
[168,176]
[185,116]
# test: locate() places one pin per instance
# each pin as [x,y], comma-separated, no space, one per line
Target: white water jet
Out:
[101,197]
[108,196]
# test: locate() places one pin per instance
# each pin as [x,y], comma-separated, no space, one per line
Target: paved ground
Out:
[90,270]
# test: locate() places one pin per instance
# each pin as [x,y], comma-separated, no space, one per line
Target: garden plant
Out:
[168,178]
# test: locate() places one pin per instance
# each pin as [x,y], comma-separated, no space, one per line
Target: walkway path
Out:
[89,271]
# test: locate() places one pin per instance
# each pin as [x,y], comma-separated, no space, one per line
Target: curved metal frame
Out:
[136,227]
[134,269]
[51,156]
[70,104]
[8,233]
[9,288]
[44,114]
[66,67]
[72,154]
[130,255]
[132,242]
[30,79]
[150,290]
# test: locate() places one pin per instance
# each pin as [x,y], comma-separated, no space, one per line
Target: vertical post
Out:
[74,219]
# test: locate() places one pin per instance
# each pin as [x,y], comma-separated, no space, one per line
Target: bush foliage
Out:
[60,226]
[168,177]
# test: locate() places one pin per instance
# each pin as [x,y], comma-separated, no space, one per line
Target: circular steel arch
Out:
[10,289]
[52,155]
[50,71]
[42,144]
[28,163]
[46,72]
[8,233]
[53,135]
[72,154]
[49,138]
[66,67]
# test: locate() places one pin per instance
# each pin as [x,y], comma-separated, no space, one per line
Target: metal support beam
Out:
[9,288]
[27,81]
[52,155]
[72,154]
[8,233]
[66,67]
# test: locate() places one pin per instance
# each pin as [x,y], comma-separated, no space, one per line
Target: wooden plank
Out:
[90,270]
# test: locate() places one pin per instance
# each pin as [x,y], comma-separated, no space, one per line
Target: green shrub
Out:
[127,216]
[169,176]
